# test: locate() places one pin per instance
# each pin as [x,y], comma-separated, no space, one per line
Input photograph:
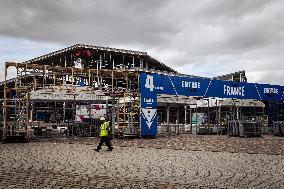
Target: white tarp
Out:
[171,99]
[241,103]
[94,110]
[58,93]
[213,102]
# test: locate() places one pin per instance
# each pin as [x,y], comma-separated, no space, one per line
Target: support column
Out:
[254,109]
[196,120]
[238,115]
[90,117]
[168,120]
[190,115]
[185,116]
[113,65]
[65,62]
[113,116]
[177,132]
[219,120]
[101,61]
[73,113]
[141,63]
[208,114]
[98,75]
[56,113]
[31,112]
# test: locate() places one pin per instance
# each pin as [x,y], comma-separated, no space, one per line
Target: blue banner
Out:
[153,84]
[148,104]
[270,92]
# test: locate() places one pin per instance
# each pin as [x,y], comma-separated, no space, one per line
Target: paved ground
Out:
[173,162]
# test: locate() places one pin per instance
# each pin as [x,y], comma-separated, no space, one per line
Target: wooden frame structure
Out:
[31,77]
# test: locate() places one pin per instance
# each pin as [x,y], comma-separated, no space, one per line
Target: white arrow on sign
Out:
[149,115]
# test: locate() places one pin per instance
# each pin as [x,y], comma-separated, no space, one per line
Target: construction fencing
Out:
[39,130]
[244,128]
[278,128]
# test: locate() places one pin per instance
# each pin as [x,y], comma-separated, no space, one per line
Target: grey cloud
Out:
[231,9]
[206,37]
[102,22]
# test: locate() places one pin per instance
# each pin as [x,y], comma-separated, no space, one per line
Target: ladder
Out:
[128,115]
[16,111]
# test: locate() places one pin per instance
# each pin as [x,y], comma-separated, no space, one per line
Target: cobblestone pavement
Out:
[151,163]
[260,145]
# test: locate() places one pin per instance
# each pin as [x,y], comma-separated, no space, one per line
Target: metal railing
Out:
[244,128]
[278,128]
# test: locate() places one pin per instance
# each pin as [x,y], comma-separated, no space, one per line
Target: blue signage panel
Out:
[229,89]
[175,85]
[148,104]
[153,84]
[270,92]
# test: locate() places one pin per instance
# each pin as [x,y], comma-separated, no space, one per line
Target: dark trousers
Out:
[104,139]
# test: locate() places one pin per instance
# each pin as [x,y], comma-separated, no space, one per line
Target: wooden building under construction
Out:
[73,87]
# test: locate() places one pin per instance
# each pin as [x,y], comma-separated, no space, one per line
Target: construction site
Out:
[215,127]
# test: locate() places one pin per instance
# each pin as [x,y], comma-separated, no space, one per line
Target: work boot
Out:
[110,149]
[97,150]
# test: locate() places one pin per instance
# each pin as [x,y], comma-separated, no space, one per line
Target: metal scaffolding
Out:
[120,87]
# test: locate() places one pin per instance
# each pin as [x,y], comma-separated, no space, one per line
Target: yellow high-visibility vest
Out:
[104,129]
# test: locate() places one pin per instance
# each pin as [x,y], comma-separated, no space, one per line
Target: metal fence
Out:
[47,130]
[244,128]
[278,128]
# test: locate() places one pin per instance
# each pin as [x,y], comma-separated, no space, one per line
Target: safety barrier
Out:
[278,128]
[173,129]
[234,128]
[244,128]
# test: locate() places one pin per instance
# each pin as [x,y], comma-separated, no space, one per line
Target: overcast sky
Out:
[206,37]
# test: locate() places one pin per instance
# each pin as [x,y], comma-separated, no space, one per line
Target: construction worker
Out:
[104,130]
